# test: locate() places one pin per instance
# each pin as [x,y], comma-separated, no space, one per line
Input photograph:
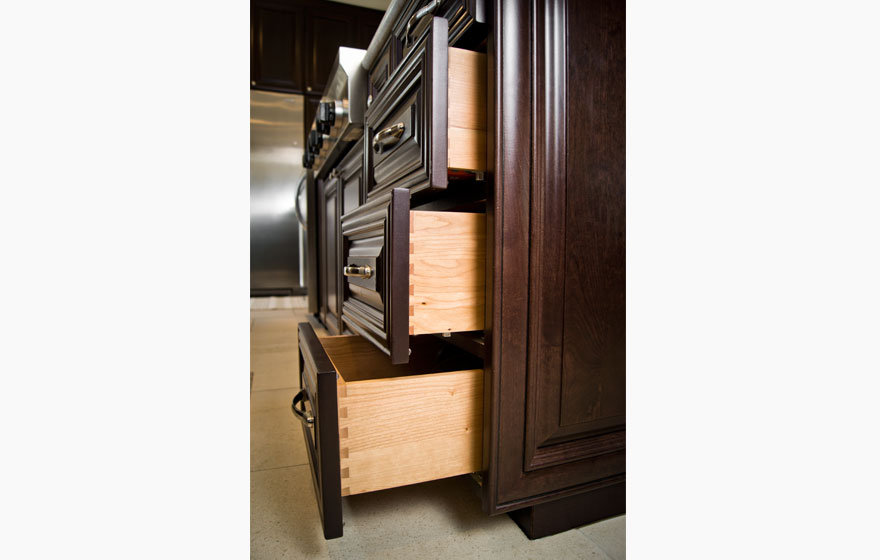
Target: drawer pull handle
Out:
[301,414]
[388,136]
[358,271]
[414,20]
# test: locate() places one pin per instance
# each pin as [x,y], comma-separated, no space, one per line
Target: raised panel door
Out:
[557,327]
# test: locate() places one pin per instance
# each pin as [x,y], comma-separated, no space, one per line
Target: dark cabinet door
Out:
[276,48]
[294,42]
[326,31]
[331,260]
[556,374]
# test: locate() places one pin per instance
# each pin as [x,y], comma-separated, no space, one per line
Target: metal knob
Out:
[358,271]
[316,139]
[327,113]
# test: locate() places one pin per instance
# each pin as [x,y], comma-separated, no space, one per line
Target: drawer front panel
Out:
[461,16]
[318,382]
[376,235]
[406,124]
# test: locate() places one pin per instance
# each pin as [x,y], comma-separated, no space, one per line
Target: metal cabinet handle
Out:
[297,210]
[358,271]
[414,20]
[388,136]
[301,414]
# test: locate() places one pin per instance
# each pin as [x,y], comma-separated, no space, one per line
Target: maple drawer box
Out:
[370,425]
[429,121]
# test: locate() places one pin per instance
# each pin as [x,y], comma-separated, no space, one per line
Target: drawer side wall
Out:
[466,140]
[447,272]
[394,432]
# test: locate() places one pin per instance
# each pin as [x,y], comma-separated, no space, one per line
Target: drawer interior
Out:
[407,423]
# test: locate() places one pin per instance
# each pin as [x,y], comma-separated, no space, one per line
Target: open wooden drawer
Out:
[410,272]
[429,119]
[370,425]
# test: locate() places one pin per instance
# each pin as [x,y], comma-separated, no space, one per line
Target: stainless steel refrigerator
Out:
[278,206]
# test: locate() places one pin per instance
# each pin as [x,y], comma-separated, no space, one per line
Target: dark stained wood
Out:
[326,31]
[294,42]
[351,173]
[276,55]
[556,370]
[383,67]
[398,312]
[330,254]
[377,308]
[606,499]
[415,96]
[312,285]
[322,440]
[365,234]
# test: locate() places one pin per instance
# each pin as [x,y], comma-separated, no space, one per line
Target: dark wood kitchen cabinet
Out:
[550,350]
[555,376]
[329,256]
[294,42]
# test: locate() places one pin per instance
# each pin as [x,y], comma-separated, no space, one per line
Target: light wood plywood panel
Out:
[404,430]
[466,113]
[447,272]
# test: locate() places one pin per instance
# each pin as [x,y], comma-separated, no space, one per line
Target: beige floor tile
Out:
[442,519]
[275,370]
[276,436]
[610,535]
[275,323]
[280,340]
[284,515]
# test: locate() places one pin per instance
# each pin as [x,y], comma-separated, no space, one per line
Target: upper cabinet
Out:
[294,44]
[276,48]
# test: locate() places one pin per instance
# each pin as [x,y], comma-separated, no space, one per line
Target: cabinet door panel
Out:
[276,50]
[558,363]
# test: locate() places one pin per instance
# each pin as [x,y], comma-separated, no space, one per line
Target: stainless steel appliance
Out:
[340,118]
[277,238]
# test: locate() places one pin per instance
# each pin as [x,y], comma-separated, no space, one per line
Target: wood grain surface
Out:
[447,272]
[404,430]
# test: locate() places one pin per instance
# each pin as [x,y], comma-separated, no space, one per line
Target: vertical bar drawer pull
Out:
[358,271]
[301,414]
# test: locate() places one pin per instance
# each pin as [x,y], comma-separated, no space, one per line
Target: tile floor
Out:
[435,519]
